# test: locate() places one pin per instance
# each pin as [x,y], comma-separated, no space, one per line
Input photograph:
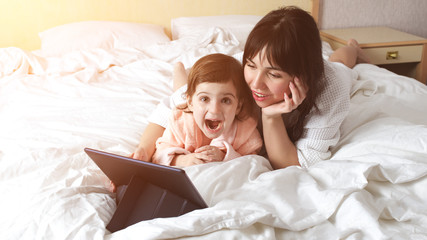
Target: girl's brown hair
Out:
[292,42]
[220,68]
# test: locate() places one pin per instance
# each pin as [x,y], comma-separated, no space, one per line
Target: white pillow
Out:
[99,34]
[239,25]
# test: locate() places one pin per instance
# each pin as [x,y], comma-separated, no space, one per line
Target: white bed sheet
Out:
[374,186]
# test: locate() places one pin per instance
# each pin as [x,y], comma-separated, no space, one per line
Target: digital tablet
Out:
[152,190]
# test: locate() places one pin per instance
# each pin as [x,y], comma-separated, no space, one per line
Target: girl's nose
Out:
[214,107]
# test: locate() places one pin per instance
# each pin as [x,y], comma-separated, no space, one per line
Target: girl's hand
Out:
[201,155]
[112,187]
[298,92]
[186,160]
[210,154]
[140,154]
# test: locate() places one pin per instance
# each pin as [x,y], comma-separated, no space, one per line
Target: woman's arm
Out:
[280,149]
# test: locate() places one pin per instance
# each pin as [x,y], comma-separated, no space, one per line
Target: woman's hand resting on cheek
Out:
[201,155]
[298,93]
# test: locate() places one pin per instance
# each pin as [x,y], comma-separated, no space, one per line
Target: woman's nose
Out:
[257,81]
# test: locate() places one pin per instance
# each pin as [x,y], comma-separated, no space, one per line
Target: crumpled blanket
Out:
[373,187]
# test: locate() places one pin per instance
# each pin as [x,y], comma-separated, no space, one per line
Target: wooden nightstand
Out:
[397,51]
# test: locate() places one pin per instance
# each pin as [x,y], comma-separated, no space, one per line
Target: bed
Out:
[97,90]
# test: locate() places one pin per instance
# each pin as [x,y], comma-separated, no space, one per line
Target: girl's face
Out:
[268,83]
[214,107]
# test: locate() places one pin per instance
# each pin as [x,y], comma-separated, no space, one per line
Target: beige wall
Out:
[406,15]
[22,20]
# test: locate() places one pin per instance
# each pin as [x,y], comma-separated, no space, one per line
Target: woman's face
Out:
[268,83]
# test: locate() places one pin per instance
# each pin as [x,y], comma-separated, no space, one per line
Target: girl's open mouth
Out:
[213,125]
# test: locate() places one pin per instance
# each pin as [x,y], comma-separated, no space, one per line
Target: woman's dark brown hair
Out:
[292,42]
[220,68]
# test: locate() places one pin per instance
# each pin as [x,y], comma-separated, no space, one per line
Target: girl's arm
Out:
[153,131]
[147,143]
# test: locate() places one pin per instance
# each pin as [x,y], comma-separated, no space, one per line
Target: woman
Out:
[303,99]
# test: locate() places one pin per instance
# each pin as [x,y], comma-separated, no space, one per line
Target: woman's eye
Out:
[250,65]
[274,75]
[204,99]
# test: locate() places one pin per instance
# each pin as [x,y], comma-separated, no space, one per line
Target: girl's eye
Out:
[204,99]
[226,100]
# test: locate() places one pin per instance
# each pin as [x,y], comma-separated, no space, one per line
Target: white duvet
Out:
[374,186]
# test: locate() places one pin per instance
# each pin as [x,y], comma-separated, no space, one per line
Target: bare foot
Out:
[361,56]
[179,76]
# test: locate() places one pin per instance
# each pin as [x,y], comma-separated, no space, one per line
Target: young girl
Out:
[217,123]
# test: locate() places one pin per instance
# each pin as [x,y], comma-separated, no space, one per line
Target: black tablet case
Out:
[148,190]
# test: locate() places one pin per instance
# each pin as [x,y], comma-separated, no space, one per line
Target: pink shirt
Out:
[183,136]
